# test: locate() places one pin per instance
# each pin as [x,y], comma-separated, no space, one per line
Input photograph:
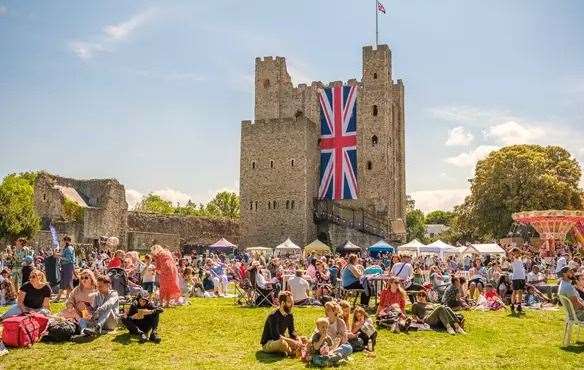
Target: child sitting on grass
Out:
[321,344]
[493,301]
[364,329]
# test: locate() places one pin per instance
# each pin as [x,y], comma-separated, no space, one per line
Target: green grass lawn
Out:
[216,334]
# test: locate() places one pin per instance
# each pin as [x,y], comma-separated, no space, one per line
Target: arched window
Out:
[253,165]
[274,205]
[266,83]
[374,140]
[256,205]
[250,206]
[369,165]
[292,163]
[271,164]
[292,205]
[375,110]
[287,204]
[375,76]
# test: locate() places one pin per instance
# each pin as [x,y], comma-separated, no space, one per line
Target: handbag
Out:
[368,329]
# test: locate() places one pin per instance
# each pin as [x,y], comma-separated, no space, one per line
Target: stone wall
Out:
[279,178]
[190,230]
[142,241]
[340,234]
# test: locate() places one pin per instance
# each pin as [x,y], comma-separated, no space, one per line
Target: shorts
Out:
[148,286]
[519,284]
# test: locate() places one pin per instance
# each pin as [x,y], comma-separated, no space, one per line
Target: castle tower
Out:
[380,137]
[279,165]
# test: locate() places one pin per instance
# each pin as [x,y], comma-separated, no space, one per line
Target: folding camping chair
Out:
[571,319]
[261,297]
[244,293]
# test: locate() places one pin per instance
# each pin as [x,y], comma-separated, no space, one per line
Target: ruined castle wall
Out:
[142,241]
[279,164]
[190,230]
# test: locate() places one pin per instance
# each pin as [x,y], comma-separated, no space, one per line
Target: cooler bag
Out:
[23,330]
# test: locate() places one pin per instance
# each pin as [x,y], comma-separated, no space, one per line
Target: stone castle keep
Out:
[279,168]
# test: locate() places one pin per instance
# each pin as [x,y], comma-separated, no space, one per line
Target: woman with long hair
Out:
[33,296]
[168,275]
[79,301]
[392,306]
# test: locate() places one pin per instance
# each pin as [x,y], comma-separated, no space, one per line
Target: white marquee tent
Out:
[287,248]
[440,248]
[484,249]
[411,247]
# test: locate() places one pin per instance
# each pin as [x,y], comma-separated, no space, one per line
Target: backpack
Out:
[24,330]
[60,330]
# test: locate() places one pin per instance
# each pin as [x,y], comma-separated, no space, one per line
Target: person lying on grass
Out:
[277,324]
[436,316]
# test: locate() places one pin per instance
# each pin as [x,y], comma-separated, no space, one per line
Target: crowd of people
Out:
[104,289]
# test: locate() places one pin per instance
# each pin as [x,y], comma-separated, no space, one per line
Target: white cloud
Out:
[173,196]
[3,10]
[444,199]
[469,159]
[470,116]
[133,197]
[512,132]
[459,136]
[122,30]
[299,72]
[112,34]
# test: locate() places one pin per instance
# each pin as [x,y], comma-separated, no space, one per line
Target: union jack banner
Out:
[338,143]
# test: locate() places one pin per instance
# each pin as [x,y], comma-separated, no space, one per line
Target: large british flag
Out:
[338,143]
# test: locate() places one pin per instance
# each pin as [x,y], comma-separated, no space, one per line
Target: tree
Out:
[439,217]
[17,211]
[415,225]
[225,204]
[155,204]
[513,179]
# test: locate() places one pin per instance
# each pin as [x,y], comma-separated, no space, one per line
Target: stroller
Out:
[120,283]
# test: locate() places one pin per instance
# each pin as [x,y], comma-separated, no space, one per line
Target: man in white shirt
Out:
[535,277]
[299,288]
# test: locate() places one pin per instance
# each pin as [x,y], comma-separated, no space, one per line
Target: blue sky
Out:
[152,93]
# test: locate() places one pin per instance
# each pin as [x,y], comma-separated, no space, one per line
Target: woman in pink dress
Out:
[167,275]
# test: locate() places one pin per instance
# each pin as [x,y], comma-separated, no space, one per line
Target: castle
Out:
[279,165]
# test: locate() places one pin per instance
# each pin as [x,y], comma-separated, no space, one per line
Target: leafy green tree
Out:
[439,217]
[415,225]
[513,179]
[17,211]
[225,204]
[155,204]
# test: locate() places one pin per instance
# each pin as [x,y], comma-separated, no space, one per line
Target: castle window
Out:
[369,165]
[292,205]
[271,164]
[375,76]
[374,140]
[287,204]
[256,205]
[266,83]
[269,205]
[375,110]
[253,165]
[250,206]
[44,196]
[274,206]
[292,163]
[298,113]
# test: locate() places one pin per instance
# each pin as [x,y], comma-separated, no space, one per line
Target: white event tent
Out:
[484,249]
[287,248]
[440,248]
[413,246]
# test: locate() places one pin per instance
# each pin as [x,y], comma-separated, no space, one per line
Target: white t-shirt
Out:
[561,263]
[518,270]
[404,273]
[534,278]
[298,287]
[148,274]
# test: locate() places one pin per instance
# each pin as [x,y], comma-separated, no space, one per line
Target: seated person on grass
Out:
[337,330]
[453,297]
[7,288]
[436,316]
[363,330]
[321,344]
[277,324]
[142,318]
[33,296]
[392,306]
[104,309]
[299,288]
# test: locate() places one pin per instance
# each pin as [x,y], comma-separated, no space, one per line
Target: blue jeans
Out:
[15,310]
[342,352]
[107,321]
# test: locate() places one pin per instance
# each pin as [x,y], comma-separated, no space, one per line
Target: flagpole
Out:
[376,24]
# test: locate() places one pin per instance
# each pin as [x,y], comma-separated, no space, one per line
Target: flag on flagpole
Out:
[380,7]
